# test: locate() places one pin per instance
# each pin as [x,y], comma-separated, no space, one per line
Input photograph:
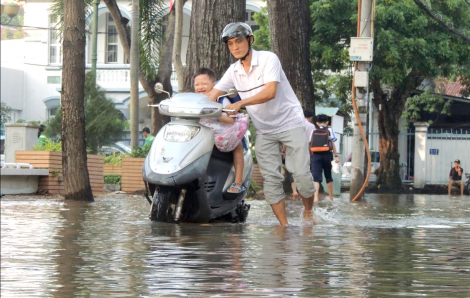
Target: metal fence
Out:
[405,145]
[443,147]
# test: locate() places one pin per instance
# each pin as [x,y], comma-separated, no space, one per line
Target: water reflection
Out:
[387,246]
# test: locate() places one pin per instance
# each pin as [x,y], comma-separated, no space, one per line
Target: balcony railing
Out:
[120,78]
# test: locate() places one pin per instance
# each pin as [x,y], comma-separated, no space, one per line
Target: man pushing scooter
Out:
[276,114]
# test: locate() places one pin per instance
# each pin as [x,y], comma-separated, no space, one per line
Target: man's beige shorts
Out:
[268,154]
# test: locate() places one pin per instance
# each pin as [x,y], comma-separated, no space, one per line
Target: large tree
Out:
[205,48]
[74,159]
[289,23]
[408,48]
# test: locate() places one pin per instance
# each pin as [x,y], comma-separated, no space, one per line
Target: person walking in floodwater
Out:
[276,114]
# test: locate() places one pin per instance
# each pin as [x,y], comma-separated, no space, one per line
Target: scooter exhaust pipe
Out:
[179,205]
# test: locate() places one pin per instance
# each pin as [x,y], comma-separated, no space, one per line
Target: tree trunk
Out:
[74,159]
[163,75]
[164,68]
[134,76]
[390,111]
[205,48]
[177,42]
[289,23]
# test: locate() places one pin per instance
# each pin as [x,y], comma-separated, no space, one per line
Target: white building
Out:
[31,68]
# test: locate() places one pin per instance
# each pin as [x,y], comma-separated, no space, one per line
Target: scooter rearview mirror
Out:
[232,93]
[159,89]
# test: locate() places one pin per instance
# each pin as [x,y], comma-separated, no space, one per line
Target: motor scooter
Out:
[185,175]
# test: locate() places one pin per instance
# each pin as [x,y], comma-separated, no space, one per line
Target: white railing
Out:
[120,78]
[113,77]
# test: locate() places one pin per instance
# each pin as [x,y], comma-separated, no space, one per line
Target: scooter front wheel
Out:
[163,205]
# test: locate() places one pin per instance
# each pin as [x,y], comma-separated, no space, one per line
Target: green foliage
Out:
[262,34]
[4,113]
[49,145]
[427,102]
[329,42]
[151,35]
[112,179]
[140,151]
[104,123]
[113,159]
[406,41]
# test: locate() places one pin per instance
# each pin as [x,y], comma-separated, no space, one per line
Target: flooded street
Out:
[389,245]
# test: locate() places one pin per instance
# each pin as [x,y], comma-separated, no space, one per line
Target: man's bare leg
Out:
[450,185]
[308,205]
[330,190]
[461,188]
[279,210]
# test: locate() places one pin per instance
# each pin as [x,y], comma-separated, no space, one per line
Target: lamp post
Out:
[94,40]
[11,10]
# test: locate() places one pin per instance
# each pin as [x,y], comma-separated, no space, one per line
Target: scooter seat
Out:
[225,156]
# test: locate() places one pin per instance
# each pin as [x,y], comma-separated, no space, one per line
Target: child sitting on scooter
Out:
[228,132]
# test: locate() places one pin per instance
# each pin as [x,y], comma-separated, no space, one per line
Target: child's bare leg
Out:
[295,194]
[238,164]
[330,190]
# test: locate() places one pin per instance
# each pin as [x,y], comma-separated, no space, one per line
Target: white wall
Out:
[451,147]
[12,57]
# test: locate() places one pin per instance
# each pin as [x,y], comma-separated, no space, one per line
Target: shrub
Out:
[112,179]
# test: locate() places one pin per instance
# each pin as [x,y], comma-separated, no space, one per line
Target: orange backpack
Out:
[320,141]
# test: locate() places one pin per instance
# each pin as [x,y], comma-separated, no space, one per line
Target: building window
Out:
[51,112]
[55,49]
[111,41]
[250,20]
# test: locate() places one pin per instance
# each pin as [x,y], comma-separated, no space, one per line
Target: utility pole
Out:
[94,40]
[357,166]
[134,105]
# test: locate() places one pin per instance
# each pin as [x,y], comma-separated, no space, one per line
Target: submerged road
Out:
[389,245]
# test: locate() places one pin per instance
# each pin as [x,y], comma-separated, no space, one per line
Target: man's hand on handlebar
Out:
[234,107]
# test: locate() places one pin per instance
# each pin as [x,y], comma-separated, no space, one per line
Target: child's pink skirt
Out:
[227,136]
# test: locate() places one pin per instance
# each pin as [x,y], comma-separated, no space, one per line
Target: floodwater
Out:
[389,245]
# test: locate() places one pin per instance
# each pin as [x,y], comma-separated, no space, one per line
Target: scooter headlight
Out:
[180,133]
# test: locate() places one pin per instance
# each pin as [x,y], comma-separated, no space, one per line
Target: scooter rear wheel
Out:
[163,205]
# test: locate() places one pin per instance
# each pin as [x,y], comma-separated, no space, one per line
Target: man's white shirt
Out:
[279,114]
[309,127]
